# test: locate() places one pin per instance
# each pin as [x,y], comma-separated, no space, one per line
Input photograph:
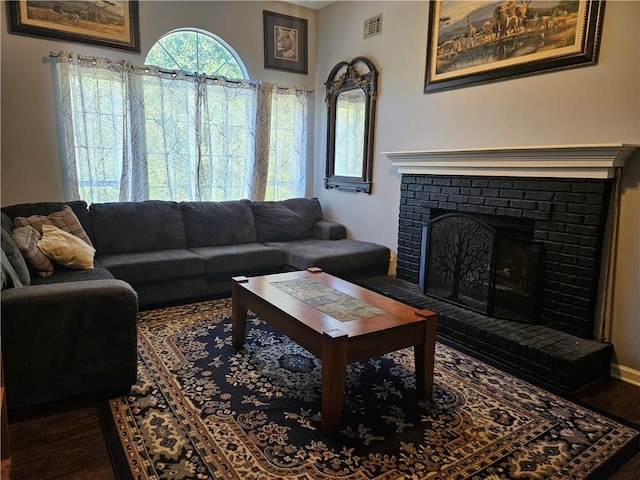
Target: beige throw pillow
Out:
[65,248]
[26,238]
[65,220]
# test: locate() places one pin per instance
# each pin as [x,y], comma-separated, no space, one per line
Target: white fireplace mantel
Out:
[560,161]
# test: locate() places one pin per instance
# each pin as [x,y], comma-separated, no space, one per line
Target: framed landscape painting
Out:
[474,42]
[285,42]
[106,23]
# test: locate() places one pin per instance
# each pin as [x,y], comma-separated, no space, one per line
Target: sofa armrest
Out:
[328,230]
[32,299]
[68,339]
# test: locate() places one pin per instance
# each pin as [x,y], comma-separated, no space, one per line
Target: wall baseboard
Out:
[625,374]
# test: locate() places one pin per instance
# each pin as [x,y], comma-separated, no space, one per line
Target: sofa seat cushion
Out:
[333,256]
[240,259]
[218,223]
[124,227]
[286,220]
[153,266]
[64,274]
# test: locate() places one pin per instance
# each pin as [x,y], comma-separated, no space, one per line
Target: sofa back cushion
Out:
[79,207]
[209,224]
[286,220]
[7,223]
[122,227]
[8,276]
[13,263]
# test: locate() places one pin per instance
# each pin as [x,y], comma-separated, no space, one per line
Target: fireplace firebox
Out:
[484,263]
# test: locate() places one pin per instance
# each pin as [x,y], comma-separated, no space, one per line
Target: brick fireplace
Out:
[569,217]
[564,196]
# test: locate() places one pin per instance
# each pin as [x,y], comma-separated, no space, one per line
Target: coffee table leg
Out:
[424,357]
[238,317]
[334,374]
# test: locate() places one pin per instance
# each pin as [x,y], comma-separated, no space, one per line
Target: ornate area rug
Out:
[203,410]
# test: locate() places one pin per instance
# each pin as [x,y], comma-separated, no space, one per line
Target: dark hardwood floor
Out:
[63,443]
[623,401]
[68,443]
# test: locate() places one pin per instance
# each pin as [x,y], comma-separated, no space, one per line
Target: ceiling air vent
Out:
[373,26]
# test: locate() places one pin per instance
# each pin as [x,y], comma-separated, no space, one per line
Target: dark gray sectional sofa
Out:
[172,251]
[73,333]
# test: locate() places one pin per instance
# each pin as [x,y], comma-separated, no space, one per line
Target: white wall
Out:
[595,104]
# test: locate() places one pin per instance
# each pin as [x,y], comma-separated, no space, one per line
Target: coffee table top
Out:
[323,302]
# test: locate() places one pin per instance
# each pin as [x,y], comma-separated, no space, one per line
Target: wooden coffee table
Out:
[339,323]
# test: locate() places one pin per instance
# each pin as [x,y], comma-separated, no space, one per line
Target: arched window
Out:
[192,50]
[157,131]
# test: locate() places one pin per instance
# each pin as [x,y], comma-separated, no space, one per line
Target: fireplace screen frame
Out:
[496,301]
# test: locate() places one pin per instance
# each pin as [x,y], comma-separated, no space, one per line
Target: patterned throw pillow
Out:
[65,220]
[65,248]
[26,238]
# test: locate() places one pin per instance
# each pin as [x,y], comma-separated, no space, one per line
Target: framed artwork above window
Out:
[285,42]
[104,23]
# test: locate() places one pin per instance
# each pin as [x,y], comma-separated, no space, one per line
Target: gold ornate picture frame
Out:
[113,24]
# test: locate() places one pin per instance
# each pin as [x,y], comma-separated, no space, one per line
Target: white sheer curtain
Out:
[97,142]
[137,132]
[288,143]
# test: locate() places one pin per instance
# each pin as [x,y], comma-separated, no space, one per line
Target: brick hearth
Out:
[552,358]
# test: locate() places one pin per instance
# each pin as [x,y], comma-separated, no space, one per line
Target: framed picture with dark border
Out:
[104,23]
[285,42]
[472,42]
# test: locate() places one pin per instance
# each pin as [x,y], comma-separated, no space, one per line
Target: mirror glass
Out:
[350,121]
[350,99]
